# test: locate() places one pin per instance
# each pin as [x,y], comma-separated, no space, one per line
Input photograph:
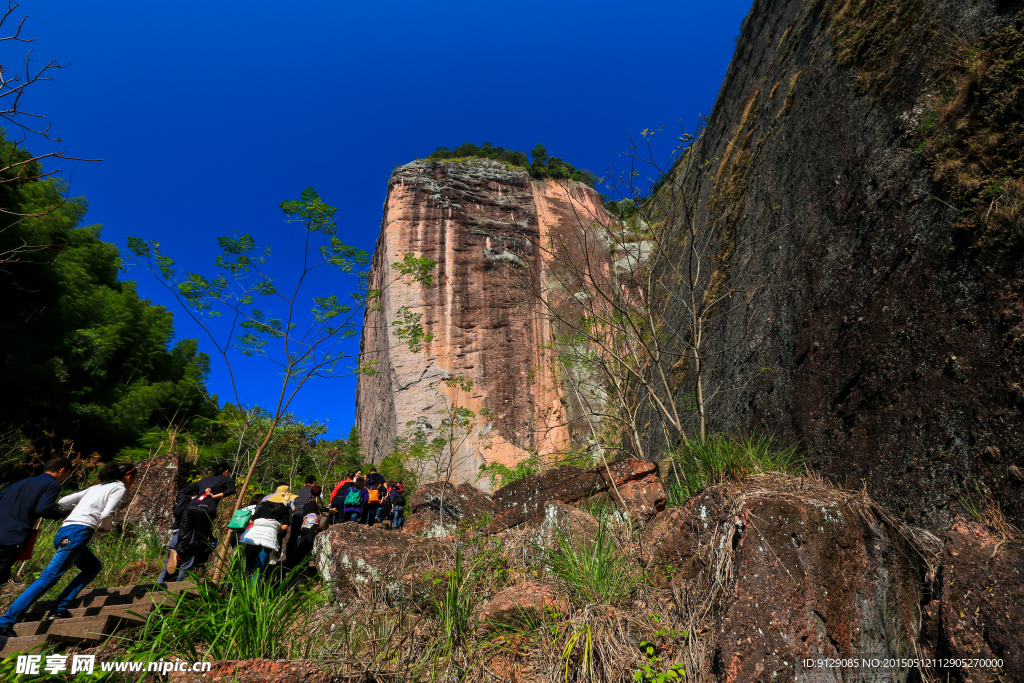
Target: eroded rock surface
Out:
[151,497]
[485,225]
[522,606]
[978,614]
[437,508]
[526,498]
[359,554]
[801,576]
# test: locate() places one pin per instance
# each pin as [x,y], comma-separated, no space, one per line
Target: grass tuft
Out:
[703,462]
[592,570]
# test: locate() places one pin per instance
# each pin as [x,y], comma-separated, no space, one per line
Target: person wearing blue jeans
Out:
[396,516]
[93,510]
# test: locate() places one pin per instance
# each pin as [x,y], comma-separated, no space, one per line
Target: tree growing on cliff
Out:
[235,307]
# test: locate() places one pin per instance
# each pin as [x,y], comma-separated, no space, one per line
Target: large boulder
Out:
[977,613]
[525,499]
[437,508]
[148,502]
[788,575]
[355,554]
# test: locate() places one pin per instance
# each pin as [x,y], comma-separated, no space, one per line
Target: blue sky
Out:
[208,114]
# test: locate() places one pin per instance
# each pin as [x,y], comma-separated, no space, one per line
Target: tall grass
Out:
[700,463]
[239,619]
[455,605]
[592,569]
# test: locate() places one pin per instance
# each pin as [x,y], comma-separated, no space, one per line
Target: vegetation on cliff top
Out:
[542,167]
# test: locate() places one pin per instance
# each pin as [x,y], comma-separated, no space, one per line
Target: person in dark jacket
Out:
[397,496]
[301,498]
[22,504]
[373,479]
[374,497]
[211,489]
[306,532]
[220,484]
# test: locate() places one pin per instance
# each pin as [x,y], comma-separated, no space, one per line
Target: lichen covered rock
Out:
[797,574]
[437,508]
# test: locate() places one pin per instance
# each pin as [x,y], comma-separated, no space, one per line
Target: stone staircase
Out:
[98,613]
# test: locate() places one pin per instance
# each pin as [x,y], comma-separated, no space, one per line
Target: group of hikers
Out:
[270,525]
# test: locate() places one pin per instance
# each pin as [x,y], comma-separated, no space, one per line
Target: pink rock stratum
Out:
[487,228]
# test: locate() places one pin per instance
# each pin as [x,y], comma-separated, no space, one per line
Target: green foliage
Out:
[502,475]
[239,619]
[592,569]
[468,150]
[82,356]
[454,607]
[543,166]
[703,462]
[652,671]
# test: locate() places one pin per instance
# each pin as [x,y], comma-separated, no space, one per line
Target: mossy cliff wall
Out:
[867,155]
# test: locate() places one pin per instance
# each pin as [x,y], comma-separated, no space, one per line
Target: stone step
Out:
[22,644]
[117,595]
[143,608]
[88,631]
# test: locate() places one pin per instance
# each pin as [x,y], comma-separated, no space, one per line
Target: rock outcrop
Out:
[847,148]
[791,575]
[437,508]
[486,226]
[522,606]
[977,613]
[352,553]
[524,500]
[152,494]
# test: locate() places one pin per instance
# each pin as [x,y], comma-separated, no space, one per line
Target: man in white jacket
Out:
[92,510]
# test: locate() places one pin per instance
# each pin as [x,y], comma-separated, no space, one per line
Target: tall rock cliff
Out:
[868,154]
[486,226]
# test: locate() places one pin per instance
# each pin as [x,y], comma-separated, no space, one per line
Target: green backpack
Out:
[240,519]
[352,498]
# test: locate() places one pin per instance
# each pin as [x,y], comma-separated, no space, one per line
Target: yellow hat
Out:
[283,494]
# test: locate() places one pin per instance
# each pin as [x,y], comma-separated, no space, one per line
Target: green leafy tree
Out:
[261,315]
[83,357]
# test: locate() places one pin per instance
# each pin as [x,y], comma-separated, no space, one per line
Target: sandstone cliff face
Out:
[486,227]
[880,340]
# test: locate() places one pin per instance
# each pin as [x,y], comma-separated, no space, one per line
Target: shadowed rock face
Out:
[977,612]
[880,339]
[802,577]
[486,227]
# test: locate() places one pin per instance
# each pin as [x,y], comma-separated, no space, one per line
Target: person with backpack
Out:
[374,496]
[194,544]
[22,504]
[240,521]
[92,511]
[354,501]
[336,505]
[270,522]
[373,478]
